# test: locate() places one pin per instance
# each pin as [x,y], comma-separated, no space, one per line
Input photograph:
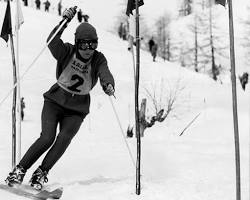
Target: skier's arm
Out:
[105,76]
[57,47]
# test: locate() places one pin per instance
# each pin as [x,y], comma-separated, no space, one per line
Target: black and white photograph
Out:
[125,99]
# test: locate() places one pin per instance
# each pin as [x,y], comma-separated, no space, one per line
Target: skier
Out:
[67,102]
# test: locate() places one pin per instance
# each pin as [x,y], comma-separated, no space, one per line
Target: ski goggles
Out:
[87,44]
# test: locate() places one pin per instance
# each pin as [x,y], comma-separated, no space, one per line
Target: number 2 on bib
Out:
[79,82]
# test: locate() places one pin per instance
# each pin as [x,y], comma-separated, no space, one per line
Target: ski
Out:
[28,192]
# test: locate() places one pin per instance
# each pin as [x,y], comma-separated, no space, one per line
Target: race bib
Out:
[76,77]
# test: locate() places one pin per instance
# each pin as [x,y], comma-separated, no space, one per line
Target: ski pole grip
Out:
[74,8]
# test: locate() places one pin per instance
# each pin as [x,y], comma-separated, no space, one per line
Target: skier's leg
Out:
[50,118]
[69,126]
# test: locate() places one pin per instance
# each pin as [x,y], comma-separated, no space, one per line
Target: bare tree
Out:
[163,101]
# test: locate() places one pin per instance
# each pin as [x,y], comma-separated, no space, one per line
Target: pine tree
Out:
[246,40]
[207,47]
[163,36]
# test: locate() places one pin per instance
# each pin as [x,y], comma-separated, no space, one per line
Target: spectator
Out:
[151,43]
[25,2]
[59,7]
[120,30]
[22,108]
[79,15]
[154,51]
[86,18]
[124,31]
[244,80]
[46,6]
[38,4]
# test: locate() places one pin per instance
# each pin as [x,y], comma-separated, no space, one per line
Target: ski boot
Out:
[39,177]
[16,176]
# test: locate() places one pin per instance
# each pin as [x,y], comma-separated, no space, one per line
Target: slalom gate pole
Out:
[14,141]
[137,121]
[234,98]
[18,127]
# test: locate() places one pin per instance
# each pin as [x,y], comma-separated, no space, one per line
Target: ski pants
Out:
[69,123]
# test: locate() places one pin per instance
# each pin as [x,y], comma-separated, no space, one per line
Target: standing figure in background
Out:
[151,43]
[22,108]
[38,4]
[79,15]
[124,31]
[86,18]
[244,80]
[120,28]
[46,5]
[154,51]
[25,2]
[59,8]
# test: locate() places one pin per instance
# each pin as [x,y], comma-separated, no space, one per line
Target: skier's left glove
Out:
[109,89]
[69,13]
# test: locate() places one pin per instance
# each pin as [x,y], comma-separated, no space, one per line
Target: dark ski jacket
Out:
[63,52]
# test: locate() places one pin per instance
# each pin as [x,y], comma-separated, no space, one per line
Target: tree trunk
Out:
[196,45]
[214,69]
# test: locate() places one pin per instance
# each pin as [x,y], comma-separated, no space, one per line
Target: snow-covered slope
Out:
[198,165]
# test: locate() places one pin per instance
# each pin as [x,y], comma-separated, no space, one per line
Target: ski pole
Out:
[123,134]
[33,62]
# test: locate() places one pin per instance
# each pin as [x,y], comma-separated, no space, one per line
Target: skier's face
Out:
[86,54]
[86,48]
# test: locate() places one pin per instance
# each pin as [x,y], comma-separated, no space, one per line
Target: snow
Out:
[198,165]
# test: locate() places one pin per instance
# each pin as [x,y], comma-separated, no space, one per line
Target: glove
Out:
[109,90]
[69,13]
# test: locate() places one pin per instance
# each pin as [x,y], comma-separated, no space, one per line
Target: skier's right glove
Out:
[109,89]
[69,13]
